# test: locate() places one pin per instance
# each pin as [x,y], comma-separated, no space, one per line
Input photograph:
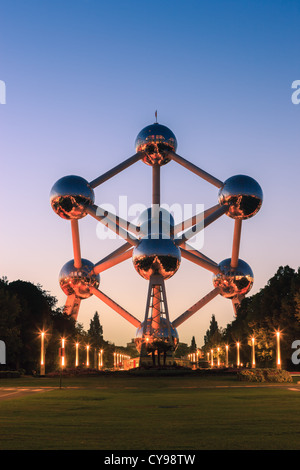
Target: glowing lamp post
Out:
[42,368]
[87,355]
[226,355]
[100,359]
[212,357]
[62,353]
[76,355]
[278,358]
[238,354]
[218,357]
[253,351]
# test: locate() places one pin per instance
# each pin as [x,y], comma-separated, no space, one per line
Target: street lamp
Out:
[253,351]
[218,357]
[226,355]
[42,365]
[278,357]
[212,357]
[87,355]
[238,354]
[100,359]
[62,352]
[76,355]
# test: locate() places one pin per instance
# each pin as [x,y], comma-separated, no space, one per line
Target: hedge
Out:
[264,375]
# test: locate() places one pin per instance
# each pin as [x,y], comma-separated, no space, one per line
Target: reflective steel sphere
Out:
[157,222]
[70,196]
[233,281]
[156,256]
[243,196]
[156,140]
[157,340]
[78,281]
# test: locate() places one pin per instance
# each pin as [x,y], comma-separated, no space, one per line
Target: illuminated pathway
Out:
[16,392]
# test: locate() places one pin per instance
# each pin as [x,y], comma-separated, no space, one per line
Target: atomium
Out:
[155,244]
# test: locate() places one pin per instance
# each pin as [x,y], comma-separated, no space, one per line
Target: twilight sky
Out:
[83,77]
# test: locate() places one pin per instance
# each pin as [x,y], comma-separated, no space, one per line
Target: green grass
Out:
[150,413]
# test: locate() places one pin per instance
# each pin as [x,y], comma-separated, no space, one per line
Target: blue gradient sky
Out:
[83,77]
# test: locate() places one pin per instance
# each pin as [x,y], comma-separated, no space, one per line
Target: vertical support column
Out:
[236,243]
[156,184]
[156,299]
[155,324]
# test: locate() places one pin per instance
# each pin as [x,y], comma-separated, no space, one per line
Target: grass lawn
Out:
[150,413]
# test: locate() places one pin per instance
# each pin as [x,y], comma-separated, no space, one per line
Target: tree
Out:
[275,307]
[95,332]
[9,328]
[193,346]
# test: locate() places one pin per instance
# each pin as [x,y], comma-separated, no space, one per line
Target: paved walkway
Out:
[16,392]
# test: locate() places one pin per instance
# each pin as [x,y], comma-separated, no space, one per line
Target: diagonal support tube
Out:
[184,225]
[116,307]
[192,250]
[216,214]
[200,261]
[116,220]
[113,261]
[195,169]
[112,225]
[117,169]
[201,303]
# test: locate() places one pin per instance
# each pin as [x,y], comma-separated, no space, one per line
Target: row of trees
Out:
[276,307]
[25,311]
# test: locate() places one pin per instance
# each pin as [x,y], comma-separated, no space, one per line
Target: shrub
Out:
[264,375]
[9,374]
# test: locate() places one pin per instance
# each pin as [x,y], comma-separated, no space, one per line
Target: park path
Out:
[16,392]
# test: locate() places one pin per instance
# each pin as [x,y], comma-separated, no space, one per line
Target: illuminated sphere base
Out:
[157,340]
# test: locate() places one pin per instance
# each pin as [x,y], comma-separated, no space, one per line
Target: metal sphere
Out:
[70,196]
[78,280]
[158,339]
[156,140]
[156,221]
[234,282]
[243,196]
[156,256]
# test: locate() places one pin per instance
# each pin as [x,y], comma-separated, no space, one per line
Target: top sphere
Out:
[155,141]
[243,196]
[70,196]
